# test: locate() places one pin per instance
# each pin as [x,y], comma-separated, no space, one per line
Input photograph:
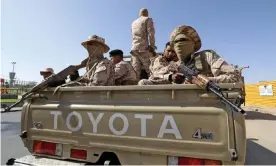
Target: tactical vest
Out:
[199,61]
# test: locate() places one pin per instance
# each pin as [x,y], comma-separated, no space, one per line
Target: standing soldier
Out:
[124,73]
[143,49]
[99,70]
[187,42]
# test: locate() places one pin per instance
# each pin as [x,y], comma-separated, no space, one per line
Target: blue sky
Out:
[48,33]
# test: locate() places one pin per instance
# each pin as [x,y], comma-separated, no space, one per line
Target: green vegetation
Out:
[9,100]
[16,91]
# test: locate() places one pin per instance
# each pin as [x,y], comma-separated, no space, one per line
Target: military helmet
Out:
[189,31]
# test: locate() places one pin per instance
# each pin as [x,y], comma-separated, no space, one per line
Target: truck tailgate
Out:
[201,132]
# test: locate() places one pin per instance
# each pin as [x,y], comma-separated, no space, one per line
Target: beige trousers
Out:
[140,59]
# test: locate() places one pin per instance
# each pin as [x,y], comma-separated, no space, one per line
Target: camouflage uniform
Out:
[101,74]
[124,74]
[142,28]
[160,70]
[208,62]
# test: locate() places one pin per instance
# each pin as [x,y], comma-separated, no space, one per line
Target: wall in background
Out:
[260,94]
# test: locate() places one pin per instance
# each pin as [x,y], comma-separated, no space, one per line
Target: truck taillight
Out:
[78,154]
[191,161]
[49,148]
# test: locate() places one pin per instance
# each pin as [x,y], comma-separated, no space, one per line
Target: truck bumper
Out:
[34,160]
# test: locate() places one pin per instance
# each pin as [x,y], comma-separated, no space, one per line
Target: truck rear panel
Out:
[139,125]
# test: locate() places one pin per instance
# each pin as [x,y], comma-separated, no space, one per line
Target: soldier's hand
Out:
[178,78]
[84,62]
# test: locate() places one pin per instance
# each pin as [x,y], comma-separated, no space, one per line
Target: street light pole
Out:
[13,63]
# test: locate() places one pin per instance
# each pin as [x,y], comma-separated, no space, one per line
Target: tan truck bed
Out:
[136,124]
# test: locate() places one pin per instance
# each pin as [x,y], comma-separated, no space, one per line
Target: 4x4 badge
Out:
[198,134]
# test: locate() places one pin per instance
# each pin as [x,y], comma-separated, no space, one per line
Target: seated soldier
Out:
[163,68]
[186,42]
[124,72]
[99,70]
[49,72]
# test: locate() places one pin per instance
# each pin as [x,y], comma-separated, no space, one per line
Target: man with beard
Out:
[186,42]
[164,69]
[99,70]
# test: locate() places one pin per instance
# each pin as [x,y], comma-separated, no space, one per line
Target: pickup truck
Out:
[132,125]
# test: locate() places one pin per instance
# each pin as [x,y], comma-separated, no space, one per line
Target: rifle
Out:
[243,89]
[203,82]
[49,82]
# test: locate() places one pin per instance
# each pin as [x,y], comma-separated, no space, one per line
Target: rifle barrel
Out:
[226,101]
[15,104]
[187,72]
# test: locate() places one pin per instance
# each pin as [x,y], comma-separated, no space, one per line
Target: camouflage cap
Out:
[189,31]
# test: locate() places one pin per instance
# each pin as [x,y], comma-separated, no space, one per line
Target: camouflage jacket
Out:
[101,74]
[210,64]
[142,29]
[124,73]
[161,69]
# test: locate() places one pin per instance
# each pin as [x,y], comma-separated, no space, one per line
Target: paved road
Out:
[11,144]
[261,142]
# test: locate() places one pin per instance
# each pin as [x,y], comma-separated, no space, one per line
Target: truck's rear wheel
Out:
[107,162]
[10,161]
[108,158]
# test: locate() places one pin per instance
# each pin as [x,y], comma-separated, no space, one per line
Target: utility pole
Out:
[13,63]
[12,75]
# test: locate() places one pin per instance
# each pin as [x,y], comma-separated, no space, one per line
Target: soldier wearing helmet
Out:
[186,43]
